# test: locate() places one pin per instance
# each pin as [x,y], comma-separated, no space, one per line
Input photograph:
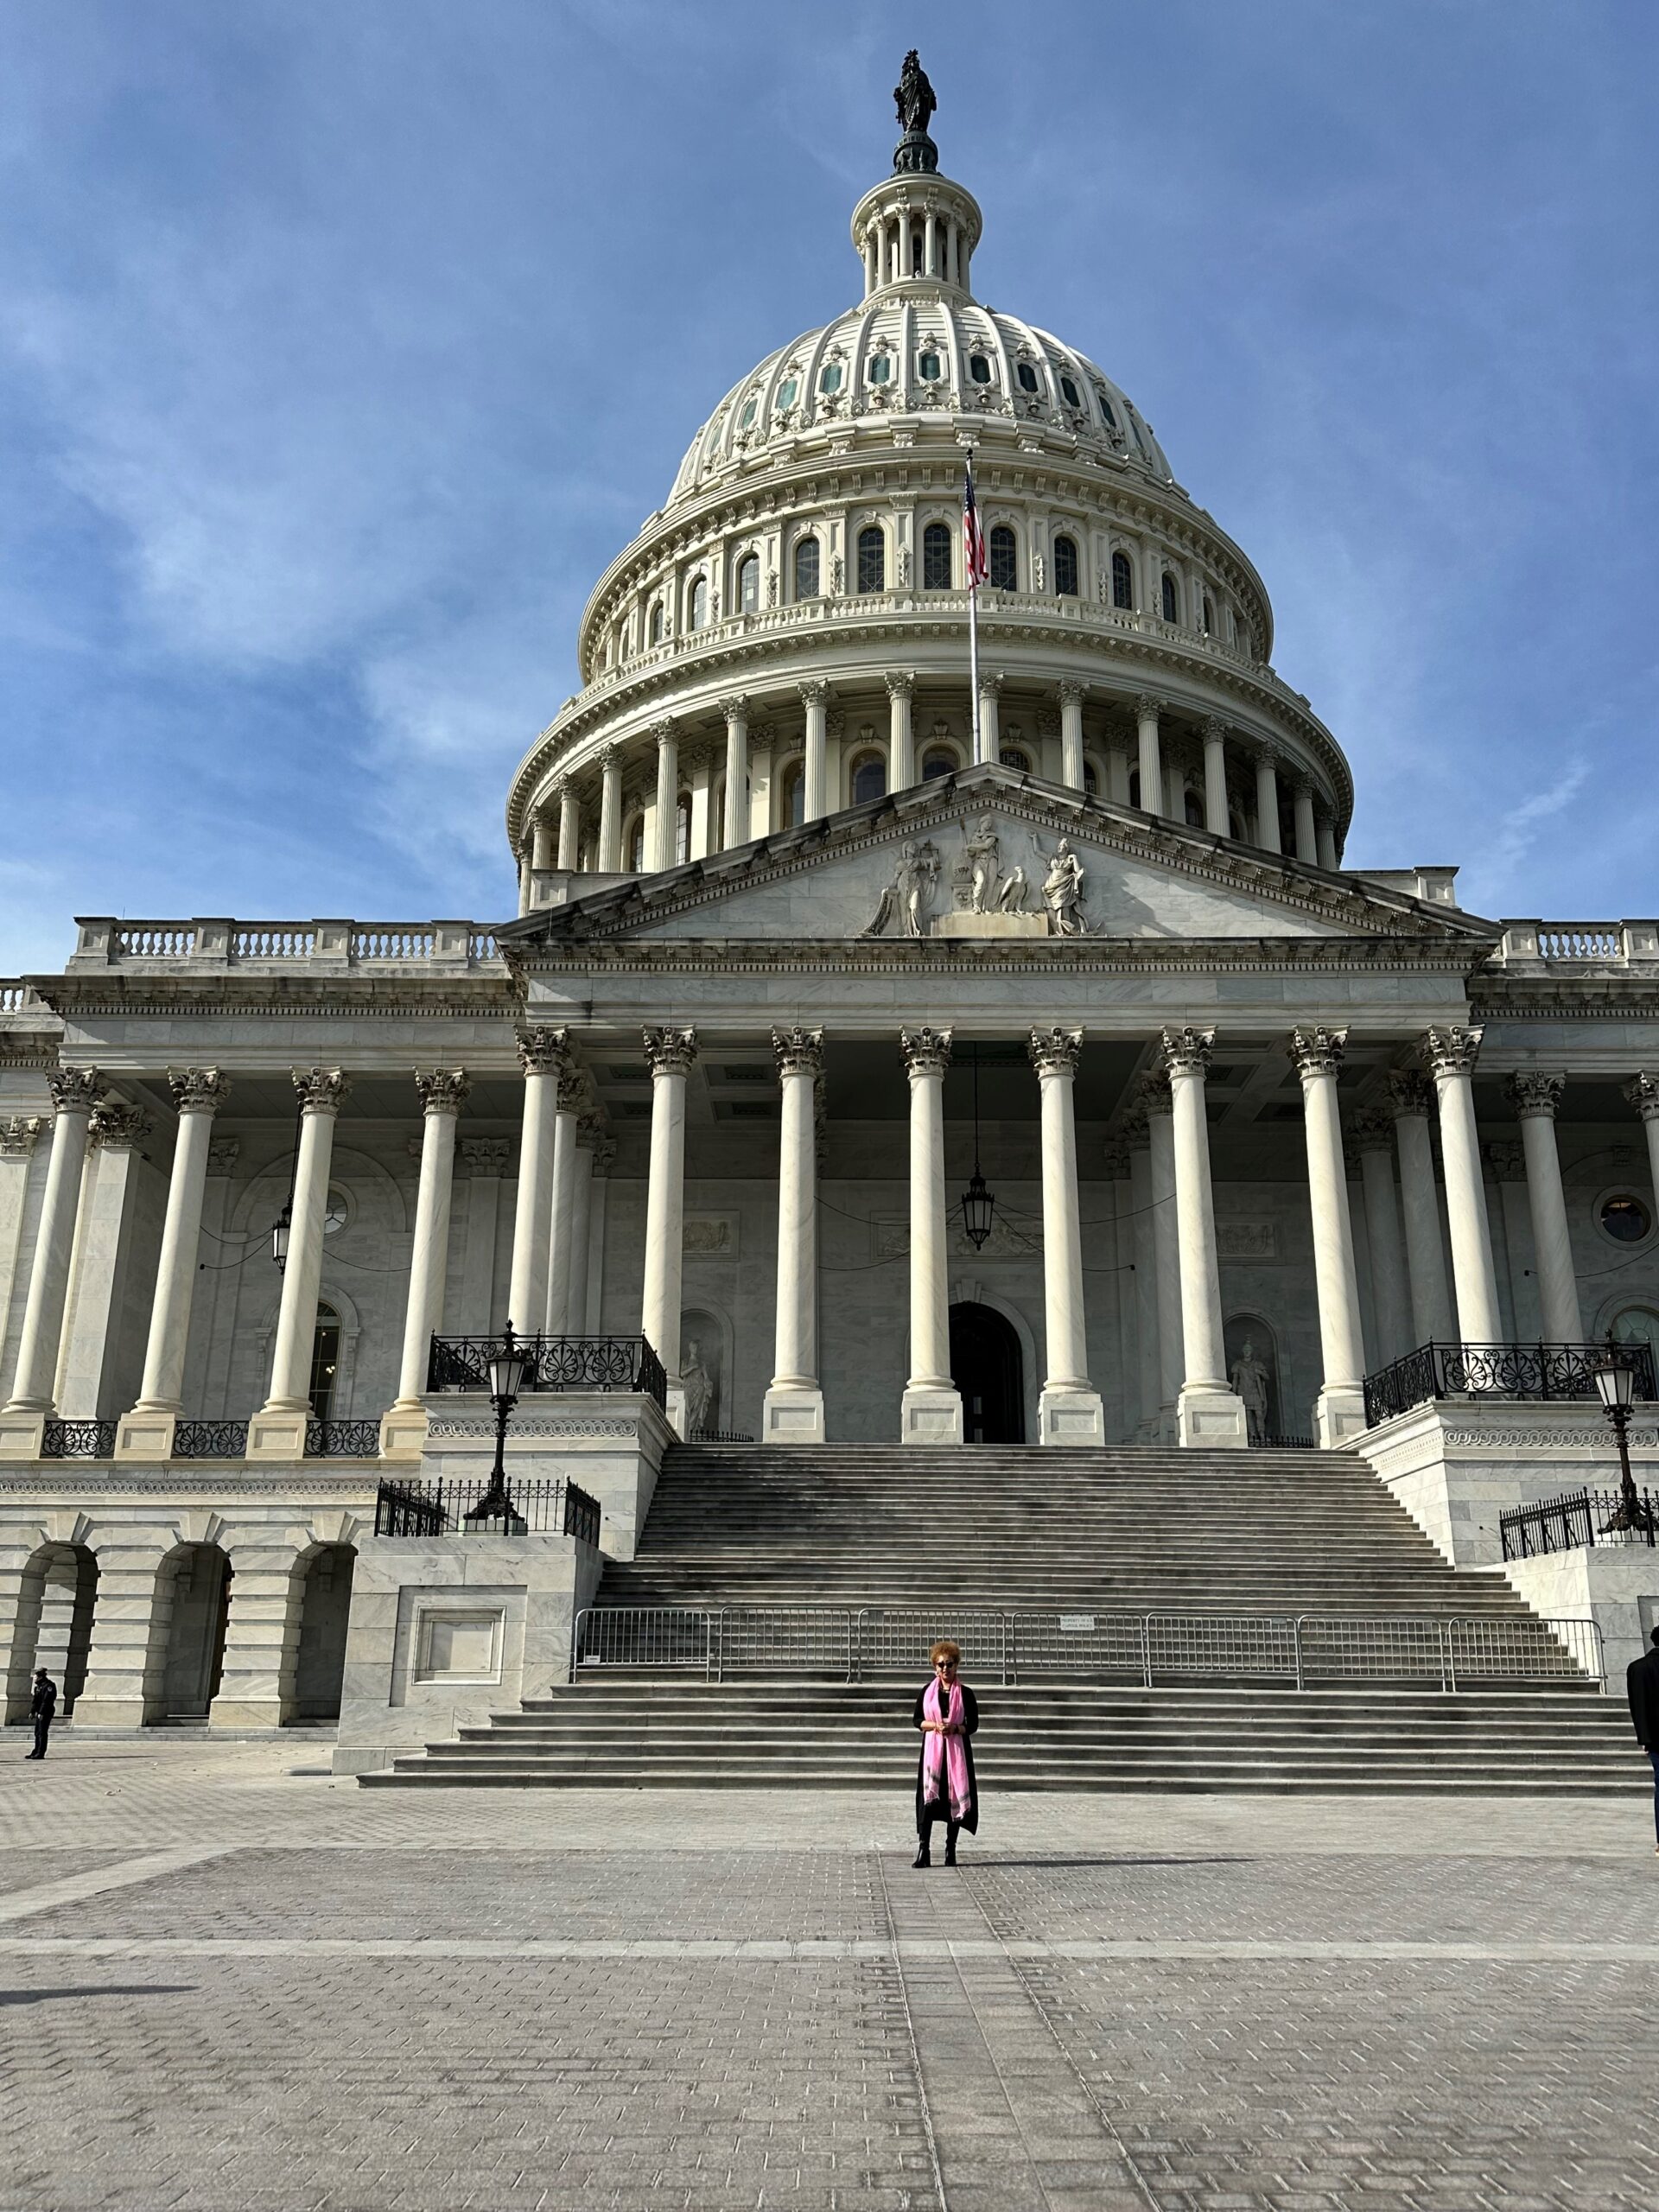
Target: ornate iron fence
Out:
[719,1436]
[1576,1520]
[451,1508]
[1536,1370]
[342,1439]
[78,1439]
[555,1363]
[1294,1651]
[210,1439]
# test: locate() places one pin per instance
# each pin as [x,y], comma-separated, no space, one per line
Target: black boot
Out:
[923,1856]
[951,1845]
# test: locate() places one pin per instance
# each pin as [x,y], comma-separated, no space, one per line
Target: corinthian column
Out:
[442,1095]
[1156,1098]
[901,743]
[1373,1135]
[671,1055]
[814,801]
[1070,1410]
[1266,800]
[933,1405]
[1643,1091]
[1147,711]
[1209,1411]
[569,825]
[147,1431]
[1451,1053]
[569,1101]
[1072,736]
[1411,1099]
[1339,1409]
[74,1093]
[736,711]
[1535,1097]
[794,1404]
[541,1055]
[1215,779]
[668,794]
[277,1430]
[990,742]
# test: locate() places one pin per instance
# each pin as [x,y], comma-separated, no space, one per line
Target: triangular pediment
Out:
[991,856]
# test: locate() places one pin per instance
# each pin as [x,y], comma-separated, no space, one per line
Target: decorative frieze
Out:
[19,1134]
[442,1090]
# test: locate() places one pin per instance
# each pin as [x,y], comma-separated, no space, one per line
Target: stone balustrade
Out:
[448,947]
[1577,945]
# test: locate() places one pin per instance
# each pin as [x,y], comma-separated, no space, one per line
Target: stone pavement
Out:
[230,1980]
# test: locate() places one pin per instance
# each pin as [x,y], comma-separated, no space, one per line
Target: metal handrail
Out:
[1577,1521]
[1298,1649]
[554,1364]
[1537,1369]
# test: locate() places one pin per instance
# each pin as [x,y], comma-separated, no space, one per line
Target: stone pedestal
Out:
[278,1433]
[145,1436]
[403,1433]
[22,1434]
[930,1416]
[1338,1415]
[1073,1417]
[1212,1418]
[792,1417]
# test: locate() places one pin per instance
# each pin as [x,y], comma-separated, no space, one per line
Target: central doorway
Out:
[986,1366]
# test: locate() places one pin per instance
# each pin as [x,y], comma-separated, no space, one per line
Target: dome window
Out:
[788,392]
[979,368]
[637,848]
[869,778]
[656,627]
[1170,604]
[1066,566]
[1192,807]
[1110,419]
[830,379]
[806,569]
[745,420]
[936,557]
[937,764]
[1005,559]
[1090,780]
[1069,392]
[1027,376]
[880,368]
[795,796]
[700,603]
[928,368]
[872,560]
[1123,581]
[1209,614]
[1010,756]
[682,830]
[748,584]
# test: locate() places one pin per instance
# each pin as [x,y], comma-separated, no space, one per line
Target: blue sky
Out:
[341,346]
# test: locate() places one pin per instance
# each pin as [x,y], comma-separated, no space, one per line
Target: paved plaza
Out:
[231,1981]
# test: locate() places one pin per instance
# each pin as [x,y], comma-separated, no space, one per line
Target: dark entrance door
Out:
[986,1367]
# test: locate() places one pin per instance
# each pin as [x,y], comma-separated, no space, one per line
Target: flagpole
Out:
[973,660]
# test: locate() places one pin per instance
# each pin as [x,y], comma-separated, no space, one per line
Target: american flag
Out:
[972,537]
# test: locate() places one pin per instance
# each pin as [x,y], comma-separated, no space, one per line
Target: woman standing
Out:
[947,1714]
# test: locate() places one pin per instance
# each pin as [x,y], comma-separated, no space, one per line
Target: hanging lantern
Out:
[279,1230]
[978,1204]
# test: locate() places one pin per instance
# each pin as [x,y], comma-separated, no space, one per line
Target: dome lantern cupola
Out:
[915,227]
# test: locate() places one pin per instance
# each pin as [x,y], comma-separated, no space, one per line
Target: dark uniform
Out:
[42,1705]
[938,1809]
[1642,1687]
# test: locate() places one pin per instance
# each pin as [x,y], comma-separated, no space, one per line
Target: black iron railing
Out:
[1539,1370]
[719,1436]
[451,1508]
[1578,1520]
[342,1439]
[78,1439]
[210,1439]
[1274,1442]
[555,1363]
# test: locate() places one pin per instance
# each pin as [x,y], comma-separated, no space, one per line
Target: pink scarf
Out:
[942,1752]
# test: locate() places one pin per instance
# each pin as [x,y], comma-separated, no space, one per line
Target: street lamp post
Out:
[1616,1386]
[506,1372]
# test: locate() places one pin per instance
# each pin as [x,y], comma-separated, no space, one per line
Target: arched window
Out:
[1123,581]
[700,603]
[1090,780]
[1209,615]
[795,796]
[806,567]
[917,268]
[717,817]
[1172,610]
[872,559]
[869,778]
[1134,784]
[1066,566]
[937,762]
[682,830]
[637,847]
[1193,809]
[1005,558]
[656,623]
[325,1362]
[1011,756]
[936,557]
[748,584]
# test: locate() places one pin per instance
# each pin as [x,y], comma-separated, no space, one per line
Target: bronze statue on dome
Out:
[913,97]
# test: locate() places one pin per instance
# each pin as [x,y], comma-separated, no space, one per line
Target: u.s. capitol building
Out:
[806,938]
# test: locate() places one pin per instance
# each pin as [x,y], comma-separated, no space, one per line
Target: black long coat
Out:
[1642,1683]
[940,1809]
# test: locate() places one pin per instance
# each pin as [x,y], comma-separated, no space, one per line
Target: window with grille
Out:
[872,559]
[936,557]
[1066,566]
[1004,558]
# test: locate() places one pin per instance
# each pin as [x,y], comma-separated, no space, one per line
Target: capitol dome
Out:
[788,635]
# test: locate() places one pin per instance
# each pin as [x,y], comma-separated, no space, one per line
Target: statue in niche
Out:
[1063,892]
[906,899]
[699,1385]
[1251,1380]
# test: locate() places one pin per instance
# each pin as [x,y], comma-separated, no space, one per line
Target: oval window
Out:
[880,368]
[979,369]
[1106,409]
[786,392]
[830,379]
[1027,376]
[745,421]
[1070,391]
[929,366]
[1625,1219]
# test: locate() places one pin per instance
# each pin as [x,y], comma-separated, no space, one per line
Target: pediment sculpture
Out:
[907,900]
[977,883]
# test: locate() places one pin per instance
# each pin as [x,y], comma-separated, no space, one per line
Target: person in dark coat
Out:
[42,1705]
[947,1714]
[1641,1688]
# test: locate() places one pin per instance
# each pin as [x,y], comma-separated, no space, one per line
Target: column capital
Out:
[442,1090]
[1410,1093]
[1151,1092]
[18,1134]
[991,680]
[74,1090]
[1069,693]
[814,691]
[900,682]
[1148,703]
[541,1051]
[555,791]
[1213,726]
[926,1051]
[117,1127]
[1186,1051]
[604,1155]
[798,1052]
[693,758]
[1115,1157]
[1055,1051]
[735,708]
[590,1127]
[666,732]
[485,1155]
[198,1091]
[1372,1129]
[1642,1092]
[1452,1051]
[322,1090]
[1265,755]
[671,1051]
[573,1089]
[1317,1051]
[609,756]
[1533,1094]
[223,1153]
[1507,1158]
